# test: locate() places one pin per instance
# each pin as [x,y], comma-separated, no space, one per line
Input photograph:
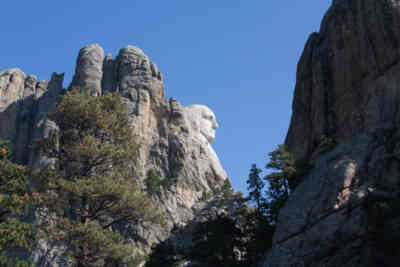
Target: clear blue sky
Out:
[238,57]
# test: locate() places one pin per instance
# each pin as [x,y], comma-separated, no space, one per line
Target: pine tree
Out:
[255,185]
[281,180]
[217,240]
[257,223]
[90,187]
[14,201]
[259,233]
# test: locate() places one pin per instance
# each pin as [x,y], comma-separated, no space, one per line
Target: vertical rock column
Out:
[108,74]
[89,69]
[11,91]
[133,72]
[134,81]
[42,126]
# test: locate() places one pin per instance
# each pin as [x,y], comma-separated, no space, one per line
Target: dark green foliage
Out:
[7,262]
[260,224]
[174,171]
[242,239]
[255,185]
[90,186]
[217,242]
[14,202]
[237,241]
[383,230]
[326,144]
[227,191]
[259,233]
[282,168]
[133,261]
[282,180]
[205,196]
[164,254]
[155,185]
[286,175]
[166,183]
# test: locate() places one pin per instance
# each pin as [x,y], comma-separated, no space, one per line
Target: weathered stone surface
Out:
[89,69]
[202,119]
[108,74]
[326,221]
[175,140]
[347,88]
[347,79]
[41,126]
[21,99]
[12,84]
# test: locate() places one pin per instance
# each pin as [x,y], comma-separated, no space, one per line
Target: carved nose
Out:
[215,125]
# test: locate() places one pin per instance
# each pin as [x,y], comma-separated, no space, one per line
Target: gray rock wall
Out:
[327,220]
[347,78]
[22,101]
[169,144]
[348,88]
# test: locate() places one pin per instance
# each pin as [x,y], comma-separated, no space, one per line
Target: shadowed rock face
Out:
[348,88]
[347,78]
[168,133]
[23,100]
[89,69]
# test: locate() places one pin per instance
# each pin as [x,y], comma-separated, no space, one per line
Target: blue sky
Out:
[237,57]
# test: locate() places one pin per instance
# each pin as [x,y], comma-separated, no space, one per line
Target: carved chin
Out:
[209,136]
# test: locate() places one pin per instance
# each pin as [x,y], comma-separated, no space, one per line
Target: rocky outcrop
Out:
[175,140]
[23,103]
[330,219]
[89,69]
[347,78]
[345,213]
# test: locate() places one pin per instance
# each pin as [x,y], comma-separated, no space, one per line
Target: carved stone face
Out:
[205,120]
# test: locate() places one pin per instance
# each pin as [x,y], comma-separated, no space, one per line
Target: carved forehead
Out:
[201,110]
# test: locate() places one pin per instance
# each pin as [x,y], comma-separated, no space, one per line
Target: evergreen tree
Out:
[217,241]
[250,230]
[163,254]
[257,224]
[227,191]
[281,180]
[90,187]
[14,201]
[259,233]
[255,185]
[153,183]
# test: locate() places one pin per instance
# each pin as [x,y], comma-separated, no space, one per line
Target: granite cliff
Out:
[346,212]
[175,140]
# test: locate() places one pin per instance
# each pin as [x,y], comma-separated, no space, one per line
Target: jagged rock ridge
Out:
[175,140]
[348,89]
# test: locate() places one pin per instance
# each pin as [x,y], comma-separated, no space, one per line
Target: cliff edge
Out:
[345,212]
